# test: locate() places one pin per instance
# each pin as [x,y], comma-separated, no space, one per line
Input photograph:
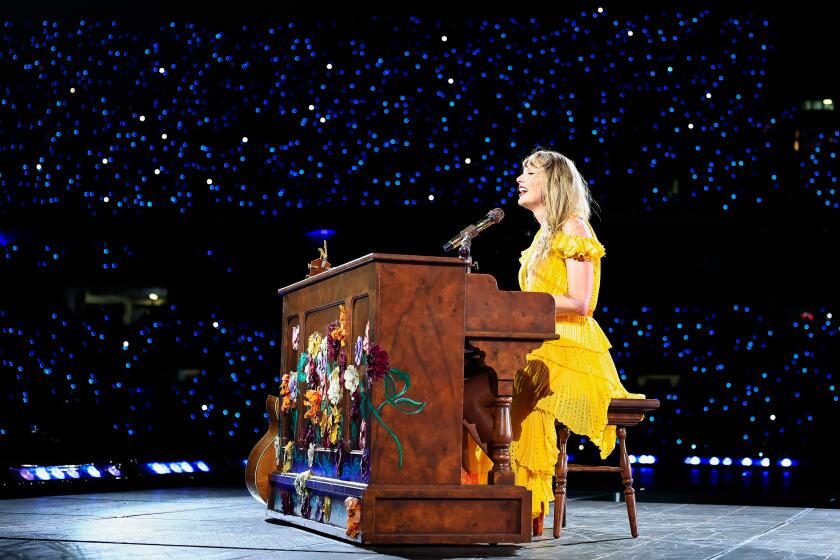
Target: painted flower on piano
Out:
[334,340]
[314,343]
[351,379]
[334,392]
[313,401]
[285,393]
[295,337]
[377,364]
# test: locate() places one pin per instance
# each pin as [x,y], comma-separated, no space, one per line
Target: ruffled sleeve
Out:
[577,247]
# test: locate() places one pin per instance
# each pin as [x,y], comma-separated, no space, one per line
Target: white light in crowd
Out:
[431,197]
[153,296]
[785,462]
[708,96]
[106,199]
[690,126]
[323,119]
[714,461]
[451,81]
[746,461]
[72,90]
[104,161]
[164,136]
[600,10]
[443,38]
[142,118]
[828,316]
[204,407]
[329,66]
[629,33]
[312,107]
[215,324]
[162,70]
[38,167]
[727,461]
[765,462]
[157,171]
[468,161]
[209,181]
[125,345]
[244,139]
[580,447]
[772,417]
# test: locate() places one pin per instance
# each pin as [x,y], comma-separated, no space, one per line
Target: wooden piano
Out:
[377,458]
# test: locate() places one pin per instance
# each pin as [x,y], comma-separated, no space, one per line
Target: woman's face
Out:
[531,183]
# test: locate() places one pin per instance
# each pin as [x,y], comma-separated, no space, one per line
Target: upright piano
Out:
[369,449]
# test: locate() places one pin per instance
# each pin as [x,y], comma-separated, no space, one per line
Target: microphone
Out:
[494,216]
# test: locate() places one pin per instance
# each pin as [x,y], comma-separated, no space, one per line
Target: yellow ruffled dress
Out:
[571,379]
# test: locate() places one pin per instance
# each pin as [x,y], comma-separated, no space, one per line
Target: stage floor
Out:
[223,523]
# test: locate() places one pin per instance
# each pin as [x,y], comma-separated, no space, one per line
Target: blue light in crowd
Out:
[321,233]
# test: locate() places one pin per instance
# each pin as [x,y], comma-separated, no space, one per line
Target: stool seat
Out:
[622,413]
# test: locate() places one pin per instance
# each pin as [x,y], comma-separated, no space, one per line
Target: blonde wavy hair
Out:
[565,195]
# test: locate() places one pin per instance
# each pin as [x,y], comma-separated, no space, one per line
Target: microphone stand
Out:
[464,252]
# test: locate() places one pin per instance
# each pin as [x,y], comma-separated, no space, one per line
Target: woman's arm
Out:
[580,275]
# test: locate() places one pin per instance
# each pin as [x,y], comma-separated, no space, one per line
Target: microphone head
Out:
[496,214]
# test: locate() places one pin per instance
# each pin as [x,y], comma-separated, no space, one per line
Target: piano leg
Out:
[500,444]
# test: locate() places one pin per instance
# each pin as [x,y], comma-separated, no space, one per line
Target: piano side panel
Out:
[318,305]
[420,323]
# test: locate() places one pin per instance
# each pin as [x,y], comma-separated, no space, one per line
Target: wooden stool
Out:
[621,413]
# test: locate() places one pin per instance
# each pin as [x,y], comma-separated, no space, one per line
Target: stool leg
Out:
[561,471]
[627,479]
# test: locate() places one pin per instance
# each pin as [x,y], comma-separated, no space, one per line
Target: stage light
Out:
[727,461]
[186,467]
[202,466]
[765,462]
[26,474]
[153,296]
[42,473]
[158,468]
[785,463]
[93,472]
[714,461]
[114,471]
[746,461]
[175,467]
[73,473]
[57,473]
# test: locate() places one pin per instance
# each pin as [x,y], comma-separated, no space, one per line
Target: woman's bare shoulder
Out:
[576,226]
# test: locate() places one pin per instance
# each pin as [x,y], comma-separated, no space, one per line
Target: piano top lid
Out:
[371,257]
